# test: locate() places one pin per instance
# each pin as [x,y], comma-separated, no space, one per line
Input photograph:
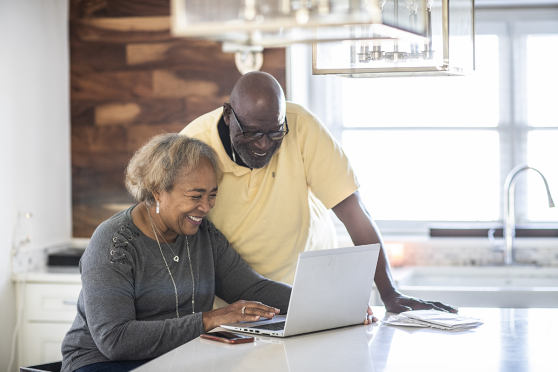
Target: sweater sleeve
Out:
[109,304]
[235,280]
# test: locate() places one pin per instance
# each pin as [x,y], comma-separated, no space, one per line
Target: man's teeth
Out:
[260,154]
[197,219]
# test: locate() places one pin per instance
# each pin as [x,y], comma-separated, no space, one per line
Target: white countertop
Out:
[50,274]
[509,340]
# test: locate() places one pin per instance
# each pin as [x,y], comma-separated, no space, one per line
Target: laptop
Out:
[331,289]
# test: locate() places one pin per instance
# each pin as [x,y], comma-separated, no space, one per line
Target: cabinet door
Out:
[41,343]
[51,302]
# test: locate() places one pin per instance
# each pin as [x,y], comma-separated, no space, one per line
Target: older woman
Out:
[151,272]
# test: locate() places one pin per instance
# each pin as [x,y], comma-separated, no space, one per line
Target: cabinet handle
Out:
[69,302]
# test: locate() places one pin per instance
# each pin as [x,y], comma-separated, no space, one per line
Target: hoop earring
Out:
[157,209]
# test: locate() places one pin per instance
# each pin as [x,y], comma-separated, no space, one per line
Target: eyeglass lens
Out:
[253,136]
[274,136]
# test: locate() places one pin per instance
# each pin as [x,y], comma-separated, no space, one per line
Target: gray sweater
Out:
[127,305]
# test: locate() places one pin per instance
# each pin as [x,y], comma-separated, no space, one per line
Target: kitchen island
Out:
[509,340]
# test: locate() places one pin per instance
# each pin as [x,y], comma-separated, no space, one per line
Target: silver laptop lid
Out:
[331,288]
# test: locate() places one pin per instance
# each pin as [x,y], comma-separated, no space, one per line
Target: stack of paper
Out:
[433,319]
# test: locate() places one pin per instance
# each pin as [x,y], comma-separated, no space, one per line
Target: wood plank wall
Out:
[131,80]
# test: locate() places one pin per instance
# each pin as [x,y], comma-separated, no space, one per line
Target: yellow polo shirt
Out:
[270,215]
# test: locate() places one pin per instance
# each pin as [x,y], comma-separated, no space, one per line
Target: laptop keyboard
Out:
[272,326]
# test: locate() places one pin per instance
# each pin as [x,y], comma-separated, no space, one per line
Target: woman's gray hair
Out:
[157,164]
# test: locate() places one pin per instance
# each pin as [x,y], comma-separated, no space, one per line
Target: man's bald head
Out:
[258,95]
[257,105]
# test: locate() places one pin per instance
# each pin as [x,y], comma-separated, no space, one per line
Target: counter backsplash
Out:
[470,252]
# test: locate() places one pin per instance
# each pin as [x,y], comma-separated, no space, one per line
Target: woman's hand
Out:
[249,311]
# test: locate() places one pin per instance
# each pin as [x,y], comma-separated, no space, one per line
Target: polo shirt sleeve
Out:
[328,171]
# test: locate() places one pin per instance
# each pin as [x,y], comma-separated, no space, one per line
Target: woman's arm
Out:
[236,281]
[109,305]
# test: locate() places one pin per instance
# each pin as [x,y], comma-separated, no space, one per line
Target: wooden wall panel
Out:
[130,80]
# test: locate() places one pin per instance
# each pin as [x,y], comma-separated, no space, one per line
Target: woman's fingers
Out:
[250,311]
[258,309]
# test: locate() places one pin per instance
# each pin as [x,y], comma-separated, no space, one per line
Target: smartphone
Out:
[227,337]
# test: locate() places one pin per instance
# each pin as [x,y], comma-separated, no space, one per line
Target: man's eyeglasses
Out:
[254,136]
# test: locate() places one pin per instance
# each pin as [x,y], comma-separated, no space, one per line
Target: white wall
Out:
[35,171]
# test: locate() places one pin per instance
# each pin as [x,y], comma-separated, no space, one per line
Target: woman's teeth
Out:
[197,219]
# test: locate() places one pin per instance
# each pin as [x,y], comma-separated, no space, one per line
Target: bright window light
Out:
[429,175]
[463,101]
[542,80]
[543,155]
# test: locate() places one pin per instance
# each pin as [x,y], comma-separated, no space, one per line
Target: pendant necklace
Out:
[175,259]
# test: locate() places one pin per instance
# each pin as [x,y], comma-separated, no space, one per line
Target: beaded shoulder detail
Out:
[121,240]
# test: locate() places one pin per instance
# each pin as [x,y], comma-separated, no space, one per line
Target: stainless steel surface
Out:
[510,340]
[445,31]
[273,23]
[509,211]
[396,13]
[444,24]
[474,35]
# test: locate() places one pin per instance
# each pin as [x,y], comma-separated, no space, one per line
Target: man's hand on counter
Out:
[398,303]
[370,318]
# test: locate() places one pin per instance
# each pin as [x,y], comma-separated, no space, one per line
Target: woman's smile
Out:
[194,220]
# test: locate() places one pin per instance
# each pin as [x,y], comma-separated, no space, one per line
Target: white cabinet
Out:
[51,302]
[49,309]
[42,342]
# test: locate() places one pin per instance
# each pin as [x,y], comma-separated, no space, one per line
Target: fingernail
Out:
[277,311]
[272,314]
[257,317]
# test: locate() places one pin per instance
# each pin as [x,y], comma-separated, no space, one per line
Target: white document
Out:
[433,319]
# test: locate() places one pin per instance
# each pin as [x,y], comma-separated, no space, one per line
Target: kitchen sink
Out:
[490,286]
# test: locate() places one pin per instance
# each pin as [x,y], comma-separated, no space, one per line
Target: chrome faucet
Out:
[509,212]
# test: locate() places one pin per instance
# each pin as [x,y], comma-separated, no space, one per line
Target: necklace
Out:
[176,259]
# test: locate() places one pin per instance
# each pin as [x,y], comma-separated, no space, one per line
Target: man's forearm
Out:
[363,230]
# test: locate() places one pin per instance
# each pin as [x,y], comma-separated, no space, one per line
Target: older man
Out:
[283,171]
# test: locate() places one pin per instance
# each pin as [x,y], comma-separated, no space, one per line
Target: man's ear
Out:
[157,196]
[227,114]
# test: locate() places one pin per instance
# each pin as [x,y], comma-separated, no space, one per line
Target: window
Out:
[438,149]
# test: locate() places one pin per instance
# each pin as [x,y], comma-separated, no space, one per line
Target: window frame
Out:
[511,25]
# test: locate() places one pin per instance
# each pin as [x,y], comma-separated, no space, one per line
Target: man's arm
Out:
[363,230]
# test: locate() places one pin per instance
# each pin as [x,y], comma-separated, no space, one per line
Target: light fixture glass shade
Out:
[447,49]
[270,23]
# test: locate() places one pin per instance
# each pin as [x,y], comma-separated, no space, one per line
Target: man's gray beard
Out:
[244,154]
